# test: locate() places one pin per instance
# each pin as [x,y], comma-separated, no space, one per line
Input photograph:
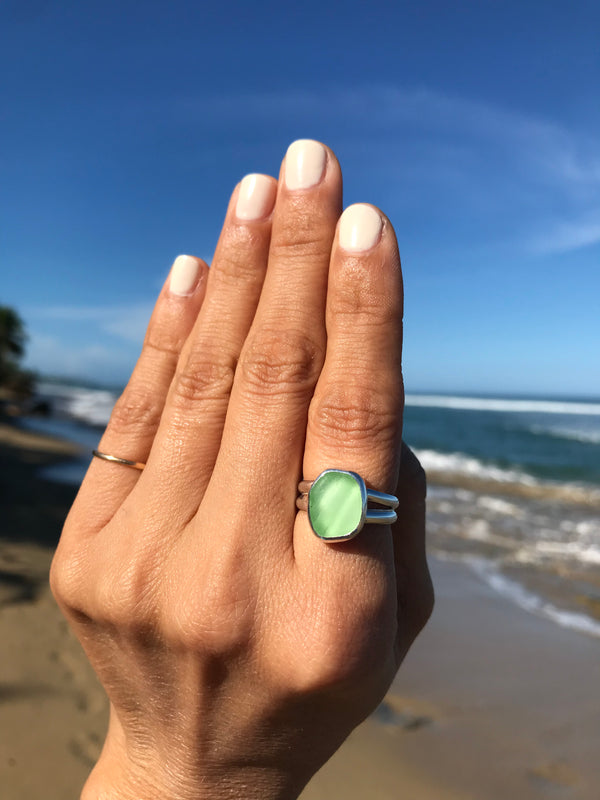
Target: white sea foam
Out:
[501,404]
[498,506]
[530,601]
[583,552]
[93,406]
[571,434]
[588,528]
[462,464]
[459,466]
[479,529]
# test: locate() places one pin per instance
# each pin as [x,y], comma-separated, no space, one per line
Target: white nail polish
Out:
[304,164]
[184,275]
[360,228]
[255,198]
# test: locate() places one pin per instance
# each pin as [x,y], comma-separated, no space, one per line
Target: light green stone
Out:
[335,505]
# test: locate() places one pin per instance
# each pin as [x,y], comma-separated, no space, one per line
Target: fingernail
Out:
[304,164]
[360,228]
[184,275]
[255,198]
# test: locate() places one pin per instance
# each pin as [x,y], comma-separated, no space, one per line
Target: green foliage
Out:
[13,337]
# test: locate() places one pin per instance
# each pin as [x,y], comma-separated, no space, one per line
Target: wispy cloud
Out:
[54,355]
[542,176]
[125,322]
[96,342]
[381,109]
[569,236]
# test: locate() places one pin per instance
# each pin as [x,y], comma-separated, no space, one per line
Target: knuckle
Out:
[203,378]
[163,340]
[355,412]
[280,363]
[345,645]
[137,409]
[219,629]
[355,295]
[301,247]
[67,583]
[236,257]
[124,601]
[221,622]
[231,270]
[426,605]
[302,235]
[359,290]
[418,605]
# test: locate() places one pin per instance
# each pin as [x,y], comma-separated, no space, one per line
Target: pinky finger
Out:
[136,415]
[413,581]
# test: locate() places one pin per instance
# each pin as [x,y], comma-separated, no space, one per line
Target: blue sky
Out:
[475,126]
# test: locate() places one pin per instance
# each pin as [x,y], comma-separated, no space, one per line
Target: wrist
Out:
[255,784]
[119,779]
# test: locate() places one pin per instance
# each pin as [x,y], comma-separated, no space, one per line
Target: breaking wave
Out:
[506,405]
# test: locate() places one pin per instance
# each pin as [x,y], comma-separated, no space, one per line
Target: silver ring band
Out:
[116,460]
[383,499]
[373,516]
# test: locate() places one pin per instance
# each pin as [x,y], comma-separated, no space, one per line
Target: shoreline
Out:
[14,437]
[491,702]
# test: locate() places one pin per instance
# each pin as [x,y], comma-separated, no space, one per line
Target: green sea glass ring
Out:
[337,505]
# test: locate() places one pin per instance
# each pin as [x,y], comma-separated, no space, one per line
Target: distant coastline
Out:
[476,394]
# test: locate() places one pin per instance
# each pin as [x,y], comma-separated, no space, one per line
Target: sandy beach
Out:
[492,702]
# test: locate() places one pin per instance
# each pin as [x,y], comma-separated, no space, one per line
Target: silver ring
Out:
[337,505]
[116,460]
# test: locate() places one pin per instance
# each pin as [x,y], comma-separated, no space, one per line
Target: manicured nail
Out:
[360,228]
[184,275]
[304,164]
[256,197]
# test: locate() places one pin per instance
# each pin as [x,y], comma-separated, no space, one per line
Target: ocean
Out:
[513,488]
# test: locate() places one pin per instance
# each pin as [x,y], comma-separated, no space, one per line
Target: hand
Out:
[238,650]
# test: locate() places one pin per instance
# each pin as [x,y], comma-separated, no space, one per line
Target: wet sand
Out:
[492,702]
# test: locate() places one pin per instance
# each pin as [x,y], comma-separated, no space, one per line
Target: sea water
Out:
[513,487]
[514,492]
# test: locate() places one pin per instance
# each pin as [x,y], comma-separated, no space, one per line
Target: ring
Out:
[336,503]
[117,460]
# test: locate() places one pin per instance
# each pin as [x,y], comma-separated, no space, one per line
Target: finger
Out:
[413,581]
[263,439]
[136,415]
[355,418]
[189,437]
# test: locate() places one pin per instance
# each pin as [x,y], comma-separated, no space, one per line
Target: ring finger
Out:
[189,436]
[355,419]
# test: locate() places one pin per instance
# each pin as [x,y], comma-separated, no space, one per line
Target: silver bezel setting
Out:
[384,515]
